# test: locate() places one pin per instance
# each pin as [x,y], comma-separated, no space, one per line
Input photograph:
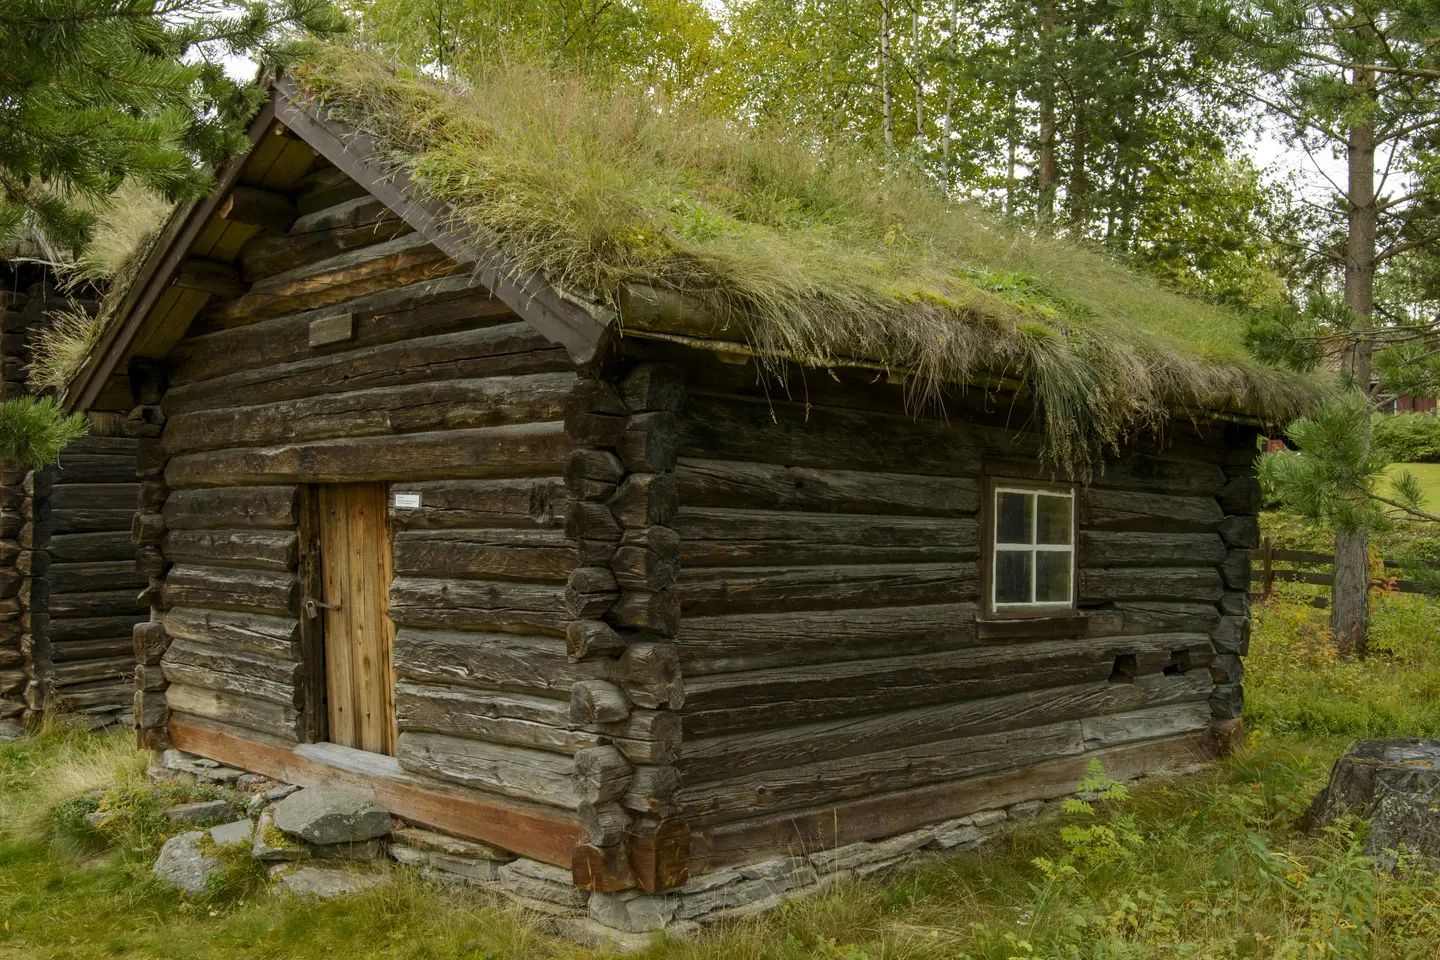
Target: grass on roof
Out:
[816,256]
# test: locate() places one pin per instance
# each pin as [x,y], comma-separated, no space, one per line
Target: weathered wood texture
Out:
[78,581]
[832,650]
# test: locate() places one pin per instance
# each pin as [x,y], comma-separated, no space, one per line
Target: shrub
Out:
[1408,437]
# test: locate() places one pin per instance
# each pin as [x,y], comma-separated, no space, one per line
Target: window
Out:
[1032,550]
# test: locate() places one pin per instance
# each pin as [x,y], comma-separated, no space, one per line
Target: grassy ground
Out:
[1208,866]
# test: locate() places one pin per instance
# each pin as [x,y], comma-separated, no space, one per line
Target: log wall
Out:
[357,353]
[67,581]
[833,660]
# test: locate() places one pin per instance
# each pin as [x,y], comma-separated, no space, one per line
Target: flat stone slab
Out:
[183,865]
[449,846]
[271,844]
[322,815]
[443,868]
[10,731]
[204,811]
[228,834]
[324,883]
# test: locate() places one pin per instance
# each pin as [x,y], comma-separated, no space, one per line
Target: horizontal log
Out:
[1125,549]
[98,446]
[410,408]
[645,499]
[505,349]
[1102,509]
[535,775]
[882,771]
[90,577]
[94,628]
[1154,616]
[519,554]
[648,736]
[803,435]
[492,661]
[99,697]
[236,684]
[270,254]
[268,507]
[767,698]
[86,547]
[234,710]
[1174,474]
[651,561]
[76,672]
[656,611]
[519,450]
[1158,583]
[476,604]
[594,702]
[147,529]
[103,649]
[259,208]
[80,468]
[182,650]
[257,549]
[707,758]
[734,590]
[149,642]
[227,588]
[764,486]
[717,536]
[94,496]
[650,442]
[421,309]
[240,631]
[529,502]
[586,638]
[508,718]
[1112,730]
[353,273]
[653,386]
[601,774]
[85,520]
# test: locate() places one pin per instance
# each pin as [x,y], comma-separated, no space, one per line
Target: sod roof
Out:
[666,223]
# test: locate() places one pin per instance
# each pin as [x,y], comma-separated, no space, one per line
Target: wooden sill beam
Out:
[531,831]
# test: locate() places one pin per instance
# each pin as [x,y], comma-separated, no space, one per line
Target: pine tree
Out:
[1358,78]
[94,91]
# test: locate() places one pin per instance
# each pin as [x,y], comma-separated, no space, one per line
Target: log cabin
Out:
[68,583]
[610,578]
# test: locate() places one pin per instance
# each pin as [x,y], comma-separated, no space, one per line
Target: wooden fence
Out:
[1268,574]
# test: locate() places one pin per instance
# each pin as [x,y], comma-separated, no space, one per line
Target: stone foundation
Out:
[627,919]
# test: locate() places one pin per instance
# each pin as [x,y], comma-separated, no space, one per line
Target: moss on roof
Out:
[817,257]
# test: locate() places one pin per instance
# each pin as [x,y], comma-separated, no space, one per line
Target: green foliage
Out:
[1296,683]
[814,255]
[1334,472]
[99,91]
[33,430]
[1408,437]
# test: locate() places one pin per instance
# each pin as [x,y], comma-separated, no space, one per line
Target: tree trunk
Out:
[1045,166]
[887,111]
[1395,784]
[1350,601]
[1079,147]
[915,65]
[950,92]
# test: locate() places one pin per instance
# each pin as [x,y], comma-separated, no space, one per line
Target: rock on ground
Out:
[322,815]
[183,865]
[204,811]
[323,883]
[1394,783]
[232,833]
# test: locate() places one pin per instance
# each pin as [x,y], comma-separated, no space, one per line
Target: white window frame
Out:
[1031,607]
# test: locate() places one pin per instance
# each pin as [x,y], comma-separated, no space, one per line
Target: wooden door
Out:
[359,635]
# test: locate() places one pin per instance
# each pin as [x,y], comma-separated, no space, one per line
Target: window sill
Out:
[1040,628]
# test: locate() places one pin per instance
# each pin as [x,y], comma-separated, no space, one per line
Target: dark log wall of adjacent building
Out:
[837,683]
[68,586]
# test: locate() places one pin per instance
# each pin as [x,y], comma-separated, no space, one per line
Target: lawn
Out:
[1429,476]
[1206,866]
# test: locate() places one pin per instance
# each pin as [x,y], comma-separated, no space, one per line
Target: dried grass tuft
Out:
[820,257]
[59,351]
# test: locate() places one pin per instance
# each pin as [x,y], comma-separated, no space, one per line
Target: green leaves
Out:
[33,430]
[97,91]
[1334,472]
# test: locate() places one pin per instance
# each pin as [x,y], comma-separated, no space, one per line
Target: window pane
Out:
[1012,517]
[1052,522]
[1012,576]
[1052,576]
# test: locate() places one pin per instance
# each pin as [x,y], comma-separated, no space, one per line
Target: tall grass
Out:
[820,256]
